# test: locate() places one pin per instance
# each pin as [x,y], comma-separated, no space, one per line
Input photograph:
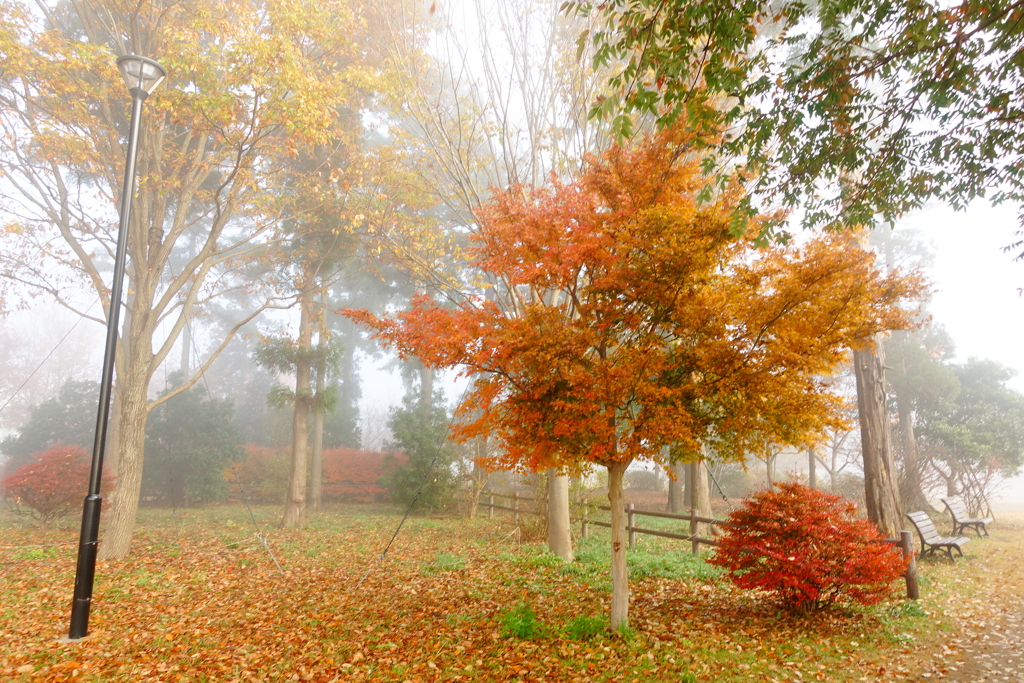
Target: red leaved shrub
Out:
[52,485]
[349,474]
[353,475]
[262,476]
[807,548]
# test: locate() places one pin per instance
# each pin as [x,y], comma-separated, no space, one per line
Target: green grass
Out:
[521,623]
[451,591]
[443,562]
[585,628]
[35,553]
[593,556]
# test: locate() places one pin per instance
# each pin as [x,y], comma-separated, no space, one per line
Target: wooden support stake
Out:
[695,544]
[490,505]
[907,544]
[585,532]
[515,507]
[629,525]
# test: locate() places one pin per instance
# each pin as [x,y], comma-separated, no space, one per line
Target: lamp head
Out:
[141,72]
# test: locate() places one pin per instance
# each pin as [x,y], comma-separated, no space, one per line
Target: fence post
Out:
[490,505]
[585,531]
[907,543]
[515,507]
[629,525]
[695,544]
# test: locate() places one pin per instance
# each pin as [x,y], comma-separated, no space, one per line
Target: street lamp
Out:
[142,75]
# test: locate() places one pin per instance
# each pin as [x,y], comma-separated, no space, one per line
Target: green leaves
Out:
[282,354]
[520,623]
[190,439]
[847,108]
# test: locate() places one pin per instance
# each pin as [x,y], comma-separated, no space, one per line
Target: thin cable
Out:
[54,350]
[715,479]
[170,455]
[423,485]
[241,489]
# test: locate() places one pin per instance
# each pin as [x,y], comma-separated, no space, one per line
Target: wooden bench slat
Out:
[930,539]
[962,520]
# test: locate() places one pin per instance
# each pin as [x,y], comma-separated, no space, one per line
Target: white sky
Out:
[979,286]
[979,296]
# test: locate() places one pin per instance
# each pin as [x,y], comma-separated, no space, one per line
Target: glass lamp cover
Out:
[141,72]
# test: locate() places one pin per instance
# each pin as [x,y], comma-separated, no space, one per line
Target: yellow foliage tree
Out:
[251,85]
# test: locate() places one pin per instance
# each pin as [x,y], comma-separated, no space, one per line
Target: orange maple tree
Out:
[638,320]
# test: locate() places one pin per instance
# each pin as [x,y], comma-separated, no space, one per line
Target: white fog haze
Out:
[977,299]
[978,285]
[978,295]
[442,353]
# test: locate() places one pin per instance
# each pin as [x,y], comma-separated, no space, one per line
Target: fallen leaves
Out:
[184,607]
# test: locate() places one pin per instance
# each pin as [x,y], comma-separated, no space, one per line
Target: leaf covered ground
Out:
[456,600]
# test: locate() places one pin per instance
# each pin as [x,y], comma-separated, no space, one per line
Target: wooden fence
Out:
[905,542]
[487,501]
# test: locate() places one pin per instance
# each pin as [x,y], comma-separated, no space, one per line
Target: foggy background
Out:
[978,298]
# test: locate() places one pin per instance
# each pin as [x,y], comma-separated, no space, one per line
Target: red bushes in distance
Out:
[808,549]
[349,475]
[52,486]
[354,475]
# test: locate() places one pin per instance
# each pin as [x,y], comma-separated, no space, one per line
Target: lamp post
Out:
[142,75]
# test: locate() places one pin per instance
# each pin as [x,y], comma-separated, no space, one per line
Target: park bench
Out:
[930,539]
[961,520]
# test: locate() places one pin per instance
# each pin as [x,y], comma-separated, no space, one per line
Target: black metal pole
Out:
[86,570]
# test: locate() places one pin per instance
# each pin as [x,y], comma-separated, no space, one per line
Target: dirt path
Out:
[988,643]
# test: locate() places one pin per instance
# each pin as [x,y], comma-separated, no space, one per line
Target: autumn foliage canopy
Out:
[807,548]
[630,318]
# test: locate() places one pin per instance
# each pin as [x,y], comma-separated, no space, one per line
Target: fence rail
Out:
[905,542]
[632,529]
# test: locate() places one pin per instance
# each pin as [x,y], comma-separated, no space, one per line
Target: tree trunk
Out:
[687,485]
[911,491]
[186,349]
[881,490]
[812,469]
[317,464]
[559,536]
[426,388]
[125,447]
[701,493]
[478,476]
[112,457]
[186,331]
[120,514]
[349,394]
[295,501]
[620,573]
[676,503]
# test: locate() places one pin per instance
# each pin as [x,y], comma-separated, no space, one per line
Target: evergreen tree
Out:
[70,419]
[420,432]
[190,439]
[973,433]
